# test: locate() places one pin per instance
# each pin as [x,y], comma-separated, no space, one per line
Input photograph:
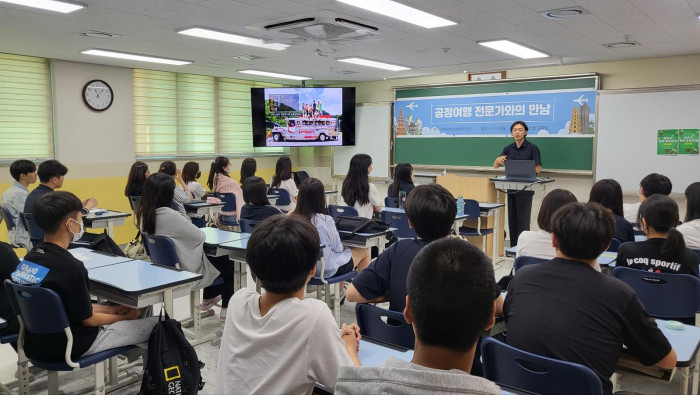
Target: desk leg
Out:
[694,384]
[110,229]
[685,372]
[196,314]
[236,276]
[168,302]
[496,237]
[244,274]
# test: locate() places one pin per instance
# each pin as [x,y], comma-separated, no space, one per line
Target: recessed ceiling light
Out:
[132,56]
[402,12]
[51,5]
[514,49]
[374,63]
[275,75]
[230,37]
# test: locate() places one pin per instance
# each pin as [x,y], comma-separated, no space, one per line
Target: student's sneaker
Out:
[207,304]
[222,315]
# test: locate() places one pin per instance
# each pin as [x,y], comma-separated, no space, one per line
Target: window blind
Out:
[26,129]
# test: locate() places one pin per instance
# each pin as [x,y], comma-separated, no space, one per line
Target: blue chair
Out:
[283,198]
[471,209]
[395,331]
[399,221]
[524,260]
[36,234]
[41,311]
[161,250]
[229,201]
[697,252]
[334,211]
[525,371]
[614,245]
[664,295]
[325,284]
[134,202]
[247,225]
[391,202]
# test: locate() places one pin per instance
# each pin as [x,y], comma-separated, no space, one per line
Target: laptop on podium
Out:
[520,170]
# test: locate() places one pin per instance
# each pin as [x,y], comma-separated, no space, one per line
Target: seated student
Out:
[281,343]
[137,177]
[220,181]
[182,193]
[248,168]
[403,180]
[94,328]
[283,180]
[652,184]
[190,174]
[608,194]
[357,191]
[592,315]
[450,301]
[51,174]
[24,173]
[8,264]
[538,244]
[312,206]
[257,205]
[156,217]
[664,249]
[690,229]
[431,211]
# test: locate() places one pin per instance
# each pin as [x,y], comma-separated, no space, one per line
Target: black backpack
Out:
[172,366]
[359,225]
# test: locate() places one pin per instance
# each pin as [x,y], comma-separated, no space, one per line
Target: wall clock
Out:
[98,95]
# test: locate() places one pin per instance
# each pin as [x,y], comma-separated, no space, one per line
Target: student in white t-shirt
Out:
[650,185]
[281,343]
[357,191]
[691,226]
[283,180]
[538,243]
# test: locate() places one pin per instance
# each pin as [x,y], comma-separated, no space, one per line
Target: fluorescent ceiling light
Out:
[132,56]
[275,75]
[514,49]
[51,5]
[231,38]
[402,12]
[373,63]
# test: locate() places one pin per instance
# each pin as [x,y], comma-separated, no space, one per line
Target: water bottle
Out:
[402,199]
[460,205]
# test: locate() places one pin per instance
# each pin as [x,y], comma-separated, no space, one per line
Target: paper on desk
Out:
[80,256]
[97,211]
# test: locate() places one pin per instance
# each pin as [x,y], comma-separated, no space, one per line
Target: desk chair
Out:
[7,339]
[36,234]
[664,295]
[325,284]
[300,176]
[697,252]
[334,211]
[247,225]
[41,311]
[395,331]
[9,222]
[391,202]
[524,260]
[229,201]
[471,209]
[614,245]
[399,221]
[534,373]
[283,198]
[134,202]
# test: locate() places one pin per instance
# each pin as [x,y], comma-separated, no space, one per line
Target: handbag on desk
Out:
[359,225]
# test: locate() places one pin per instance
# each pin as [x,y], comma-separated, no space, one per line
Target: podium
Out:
[503,183]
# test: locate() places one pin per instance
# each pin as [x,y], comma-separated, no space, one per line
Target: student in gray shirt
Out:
[13,199]
[450,302]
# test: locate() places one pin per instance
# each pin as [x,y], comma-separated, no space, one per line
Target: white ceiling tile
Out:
[599,6]
[544,5]
[486,5]
[646,33]
[600,32]
[520,15]
[624,16]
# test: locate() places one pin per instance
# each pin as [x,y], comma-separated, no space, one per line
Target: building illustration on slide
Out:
[400,127]
[579,122]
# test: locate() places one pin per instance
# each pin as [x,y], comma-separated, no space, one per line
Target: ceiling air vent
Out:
[561,13]
[626,43]
[320,27]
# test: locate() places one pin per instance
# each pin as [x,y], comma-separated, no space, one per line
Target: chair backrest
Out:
[524,260]
[300,176]
[229,201]
[134,202]
[36,234]
[529,372]
[614,245]
[41,308]
[283,198]
[7,217]
[161,250]
[664,295]
[697,252]
[395,331]
[471,208]
[247,225]
[391,202]
[399,221]
[335,211]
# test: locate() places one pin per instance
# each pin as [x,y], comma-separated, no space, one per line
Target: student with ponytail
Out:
[220,181]
[664,250]
[691,226]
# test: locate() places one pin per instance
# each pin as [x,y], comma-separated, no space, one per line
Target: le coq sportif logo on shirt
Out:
[29,273]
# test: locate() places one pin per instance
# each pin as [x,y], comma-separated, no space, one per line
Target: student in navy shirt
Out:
[608,194]
[519,202]
[403,180]
[137,177]
[257,206]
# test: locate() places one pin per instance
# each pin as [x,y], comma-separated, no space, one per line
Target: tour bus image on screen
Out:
[322,128]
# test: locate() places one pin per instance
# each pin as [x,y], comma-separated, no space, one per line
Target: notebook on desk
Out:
[520,170]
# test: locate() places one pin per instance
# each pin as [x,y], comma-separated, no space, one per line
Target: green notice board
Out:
[557,153]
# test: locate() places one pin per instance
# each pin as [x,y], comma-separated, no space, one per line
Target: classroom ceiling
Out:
[661,27]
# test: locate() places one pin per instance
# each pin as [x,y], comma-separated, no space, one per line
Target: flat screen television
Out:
[303,117]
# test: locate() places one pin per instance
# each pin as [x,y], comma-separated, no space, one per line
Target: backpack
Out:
[103,243]
[172,366]
[359,225]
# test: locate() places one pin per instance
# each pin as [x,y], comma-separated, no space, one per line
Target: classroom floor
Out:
[81,381]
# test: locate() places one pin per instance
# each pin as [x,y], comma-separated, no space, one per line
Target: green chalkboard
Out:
[557,153]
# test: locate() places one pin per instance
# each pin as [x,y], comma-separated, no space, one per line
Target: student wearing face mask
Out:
[220,181]
[190,174]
